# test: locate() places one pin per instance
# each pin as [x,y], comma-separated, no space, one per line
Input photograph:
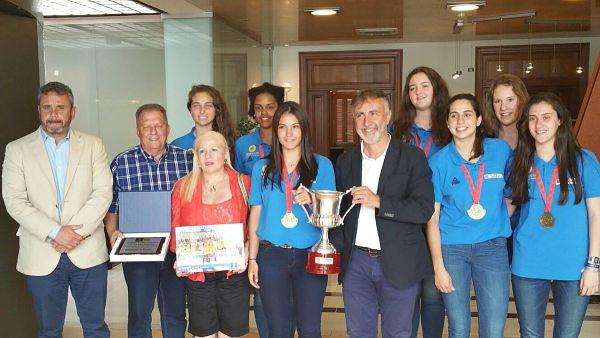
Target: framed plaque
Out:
[204,248]
[140,246]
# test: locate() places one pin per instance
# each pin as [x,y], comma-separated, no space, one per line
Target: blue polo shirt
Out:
[247,151]
[557,253]
[186,141]
[424,136]
[451,190]
[272,200]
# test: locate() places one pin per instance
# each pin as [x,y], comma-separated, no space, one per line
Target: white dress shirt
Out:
[366,232]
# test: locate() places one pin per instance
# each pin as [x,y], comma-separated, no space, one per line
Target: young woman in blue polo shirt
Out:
[264,101]
[557,240]
[279,232]
[468,230]
[250,148]
[421,122]
[209,112]
[503,111]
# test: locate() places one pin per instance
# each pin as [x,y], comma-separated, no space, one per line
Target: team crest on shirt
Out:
[252,148]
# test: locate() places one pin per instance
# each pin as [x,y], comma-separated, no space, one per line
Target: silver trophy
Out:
[323,258]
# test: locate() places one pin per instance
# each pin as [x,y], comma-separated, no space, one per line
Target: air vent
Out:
[377,31]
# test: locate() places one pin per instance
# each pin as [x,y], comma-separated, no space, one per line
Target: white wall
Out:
[437,55]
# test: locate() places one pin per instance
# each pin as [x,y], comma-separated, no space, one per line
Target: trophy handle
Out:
[346,213]
[302,205]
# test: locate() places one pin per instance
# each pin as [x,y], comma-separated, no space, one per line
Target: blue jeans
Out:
[50,292]
[281,272]
[486,264]
[147,280]
[367,293]
[429,307]
[261,319]
[531,298]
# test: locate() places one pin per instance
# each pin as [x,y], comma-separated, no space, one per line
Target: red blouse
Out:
[196,212]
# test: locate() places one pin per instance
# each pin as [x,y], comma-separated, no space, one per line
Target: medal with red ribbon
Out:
[289,220]
[427,144]
[546,220]
[476,211]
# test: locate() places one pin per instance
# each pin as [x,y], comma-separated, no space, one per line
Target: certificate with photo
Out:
[204,248]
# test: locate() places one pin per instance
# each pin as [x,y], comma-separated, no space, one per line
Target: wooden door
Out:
[329,81]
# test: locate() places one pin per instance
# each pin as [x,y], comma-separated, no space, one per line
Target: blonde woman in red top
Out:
[218,302]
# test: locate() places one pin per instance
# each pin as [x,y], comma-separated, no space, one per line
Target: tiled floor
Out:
[333,323]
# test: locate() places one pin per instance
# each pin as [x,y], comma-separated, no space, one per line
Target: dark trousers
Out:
[367,293]
[147,281]
[282,271]
[261,319]
[50,292]
[429,309]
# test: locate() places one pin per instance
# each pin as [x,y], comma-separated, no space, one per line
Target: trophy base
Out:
[324,264]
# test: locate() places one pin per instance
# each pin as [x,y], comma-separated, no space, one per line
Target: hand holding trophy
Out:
[323,258]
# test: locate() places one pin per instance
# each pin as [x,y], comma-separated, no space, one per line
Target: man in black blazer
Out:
[384,253]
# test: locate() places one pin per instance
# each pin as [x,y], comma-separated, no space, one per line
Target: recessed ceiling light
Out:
[322,11]
[464,6]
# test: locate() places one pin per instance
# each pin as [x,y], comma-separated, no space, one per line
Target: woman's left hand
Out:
[588,285]
[301,196]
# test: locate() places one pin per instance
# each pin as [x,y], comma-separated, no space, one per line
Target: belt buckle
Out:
[373,252]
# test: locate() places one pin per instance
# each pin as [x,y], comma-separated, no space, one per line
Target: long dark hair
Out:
[222,121]
[308,164]
[439,104]
[490,120]
[479,131]
[565,145]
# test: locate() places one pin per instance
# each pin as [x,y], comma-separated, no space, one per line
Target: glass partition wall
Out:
[113,68]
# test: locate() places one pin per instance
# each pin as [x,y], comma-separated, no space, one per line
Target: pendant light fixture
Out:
[499,67]
[457,72]
[529,65]
[471,67]
[579,68]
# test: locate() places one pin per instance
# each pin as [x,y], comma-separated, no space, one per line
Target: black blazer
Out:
[406,194]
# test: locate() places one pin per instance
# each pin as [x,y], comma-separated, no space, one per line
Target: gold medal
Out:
[476,211]
[289,220]
[547,220]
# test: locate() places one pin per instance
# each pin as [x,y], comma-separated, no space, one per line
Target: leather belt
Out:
[371,252]
[271,245]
